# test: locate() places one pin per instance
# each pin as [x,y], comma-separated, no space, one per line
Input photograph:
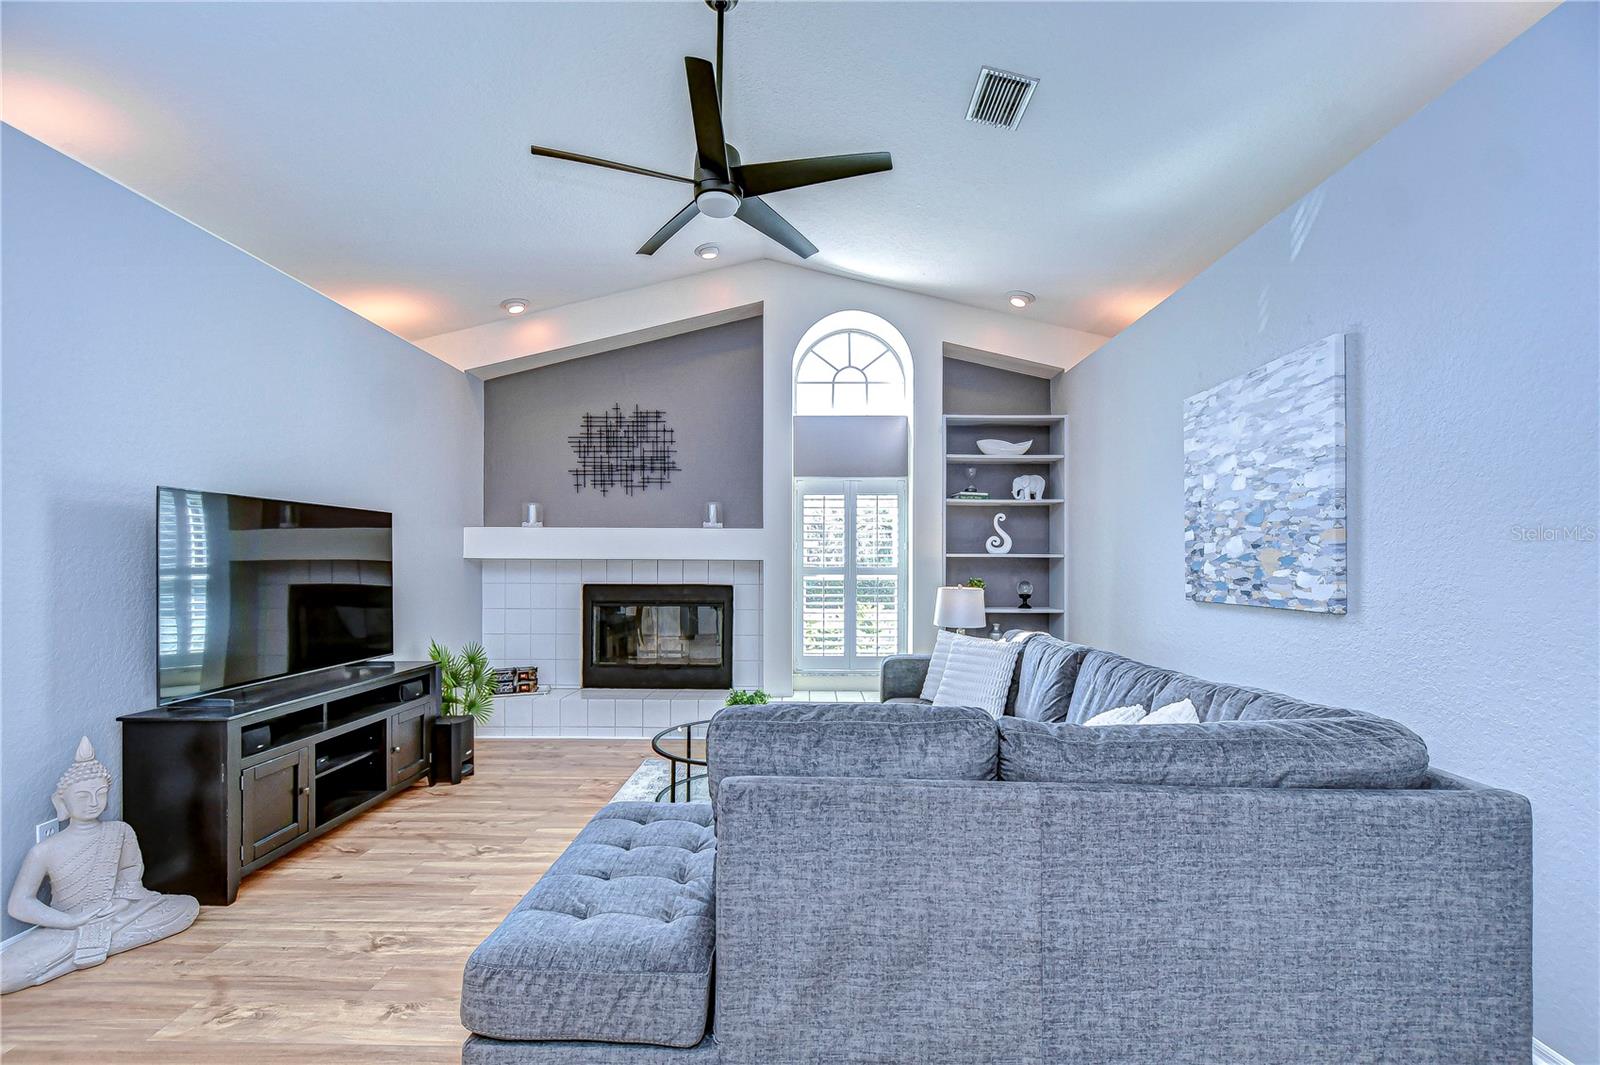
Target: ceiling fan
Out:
[725,187]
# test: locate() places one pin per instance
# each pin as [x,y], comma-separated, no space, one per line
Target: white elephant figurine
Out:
[1028,486]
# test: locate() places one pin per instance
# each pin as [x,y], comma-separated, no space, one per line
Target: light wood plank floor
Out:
[351,949]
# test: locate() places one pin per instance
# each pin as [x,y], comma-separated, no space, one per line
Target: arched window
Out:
[851,363]
[851,536]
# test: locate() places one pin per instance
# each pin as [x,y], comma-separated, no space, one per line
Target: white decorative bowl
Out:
[1003,447]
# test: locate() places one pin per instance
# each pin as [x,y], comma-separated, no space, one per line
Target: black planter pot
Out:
[453,745]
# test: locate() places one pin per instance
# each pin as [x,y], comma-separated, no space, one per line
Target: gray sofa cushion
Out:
[1107,680]
[1046,678]
[903,740]
[1350,751]
[614,943]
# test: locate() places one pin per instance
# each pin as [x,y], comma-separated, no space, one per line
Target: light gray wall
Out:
[973,388]
[709,384]
[863,445]
[139,350]
[1459,255]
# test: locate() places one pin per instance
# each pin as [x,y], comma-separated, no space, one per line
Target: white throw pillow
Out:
[1121,715]
[1179,713]
[978,673]
[936,663]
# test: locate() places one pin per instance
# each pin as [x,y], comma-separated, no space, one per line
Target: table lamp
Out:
[958,608]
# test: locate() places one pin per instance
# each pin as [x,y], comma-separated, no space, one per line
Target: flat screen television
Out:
[249,589]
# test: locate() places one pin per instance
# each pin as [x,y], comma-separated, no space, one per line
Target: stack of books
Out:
[970,495]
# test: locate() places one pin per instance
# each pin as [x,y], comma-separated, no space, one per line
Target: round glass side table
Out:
[684,748]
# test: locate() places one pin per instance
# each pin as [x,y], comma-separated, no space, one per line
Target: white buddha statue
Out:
[98,906]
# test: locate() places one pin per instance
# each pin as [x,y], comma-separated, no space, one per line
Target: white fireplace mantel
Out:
[570,543]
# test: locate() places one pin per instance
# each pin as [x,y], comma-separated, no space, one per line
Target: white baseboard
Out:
[1543,1055]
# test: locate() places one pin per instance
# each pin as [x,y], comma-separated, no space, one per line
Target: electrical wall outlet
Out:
[45,829]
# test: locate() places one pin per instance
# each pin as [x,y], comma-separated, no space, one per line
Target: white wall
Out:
[792,299]
[140,350]
[1459,256]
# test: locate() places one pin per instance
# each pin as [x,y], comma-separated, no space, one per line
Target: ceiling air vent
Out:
[1000,97]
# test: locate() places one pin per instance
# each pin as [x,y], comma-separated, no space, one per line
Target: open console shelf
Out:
[217,790]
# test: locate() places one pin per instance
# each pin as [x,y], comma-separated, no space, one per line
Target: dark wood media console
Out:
[215,791]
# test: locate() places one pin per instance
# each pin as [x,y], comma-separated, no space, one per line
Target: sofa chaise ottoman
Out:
[613,945]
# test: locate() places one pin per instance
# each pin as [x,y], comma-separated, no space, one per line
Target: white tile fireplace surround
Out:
[533,615]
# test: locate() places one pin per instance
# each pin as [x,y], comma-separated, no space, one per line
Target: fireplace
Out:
[657,636]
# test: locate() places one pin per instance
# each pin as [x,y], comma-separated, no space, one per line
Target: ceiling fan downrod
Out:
[721,7]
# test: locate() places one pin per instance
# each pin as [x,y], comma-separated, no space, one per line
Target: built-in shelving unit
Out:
[1038,528]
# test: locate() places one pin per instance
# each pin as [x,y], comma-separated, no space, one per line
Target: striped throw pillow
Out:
[978,673]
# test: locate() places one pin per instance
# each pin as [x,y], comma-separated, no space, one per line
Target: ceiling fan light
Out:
[716,203]
[514,306]
[708,251]
[1019,299]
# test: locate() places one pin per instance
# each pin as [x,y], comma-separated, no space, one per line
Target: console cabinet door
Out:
[277,803]
[408,741]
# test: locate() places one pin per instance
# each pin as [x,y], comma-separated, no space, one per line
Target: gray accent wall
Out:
[139,350]
[866,445]
[709,384]
[973,388]
[1458,255]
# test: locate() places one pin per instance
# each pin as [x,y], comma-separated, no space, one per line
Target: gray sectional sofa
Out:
[899,882]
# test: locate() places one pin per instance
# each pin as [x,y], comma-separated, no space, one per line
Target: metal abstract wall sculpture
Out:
[617,449]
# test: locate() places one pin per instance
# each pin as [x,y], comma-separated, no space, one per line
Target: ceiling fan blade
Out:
[758,179]
[709,139]
[668,231]
[557,153]
[763,219]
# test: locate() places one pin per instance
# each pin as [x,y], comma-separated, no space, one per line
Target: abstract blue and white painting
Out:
[1263,482]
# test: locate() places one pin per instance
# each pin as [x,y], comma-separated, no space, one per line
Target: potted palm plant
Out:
[466,686]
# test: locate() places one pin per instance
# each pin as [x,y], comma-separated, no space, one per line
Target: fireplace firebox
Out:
[657,635]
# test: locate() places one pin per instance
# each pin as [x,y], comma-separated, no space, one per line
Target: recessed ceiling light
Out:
[708,251]
[1019,299]
[514,306]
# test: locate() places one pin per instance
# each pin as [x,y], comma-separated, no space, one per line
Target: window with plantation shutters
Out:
[850,572]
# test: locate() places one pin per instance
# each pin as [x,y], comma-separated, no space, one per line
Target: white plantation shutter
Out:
[822,541]
[877,616]
[850,572]
[822,614]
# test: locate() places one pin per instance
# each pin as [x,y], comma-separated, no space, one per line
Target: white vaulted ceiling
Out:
[378,152]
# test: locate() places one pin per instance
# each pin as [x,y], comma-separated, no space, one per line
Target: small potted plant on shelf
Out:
[739,697]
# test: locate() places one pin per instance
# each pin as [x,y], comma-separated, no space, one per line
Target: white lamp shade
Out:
[959,608]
